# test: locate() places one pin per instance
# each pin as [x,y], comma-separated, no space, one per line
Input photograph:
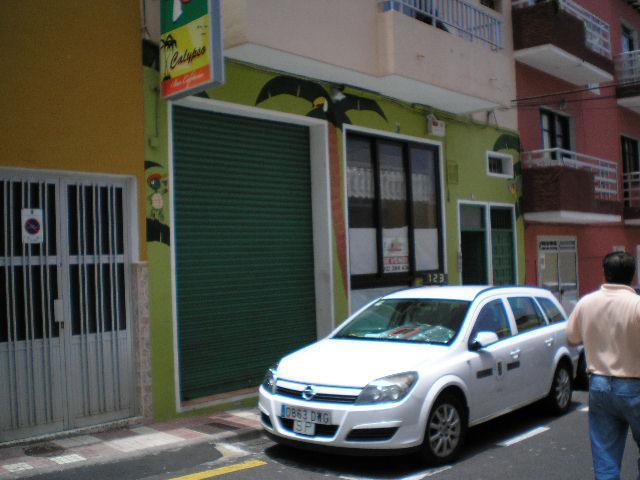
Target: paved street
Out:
[527,444]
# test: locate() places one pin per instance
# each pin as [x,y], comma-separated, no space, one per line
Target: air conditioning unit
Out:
[435,127]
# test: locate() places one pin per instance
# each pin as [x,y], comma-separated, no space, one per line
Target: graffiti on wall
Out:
[157,229]
[330,105]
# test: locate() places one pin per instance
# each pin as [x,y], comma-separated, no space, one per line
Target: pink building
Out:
[578,102]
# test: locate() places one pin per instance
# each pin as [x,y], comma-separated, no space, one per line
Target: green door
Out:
[503,254]
[243,247]
[473,245]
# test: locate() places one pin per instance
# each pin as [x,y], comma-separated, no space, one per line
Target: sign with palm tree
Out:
[191,46]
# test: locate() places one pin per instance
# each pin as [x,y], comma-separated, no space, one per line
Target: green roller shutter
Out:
[244,247]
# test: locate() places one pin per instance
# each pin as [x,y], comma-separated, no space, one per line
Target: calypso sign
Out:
[190,46]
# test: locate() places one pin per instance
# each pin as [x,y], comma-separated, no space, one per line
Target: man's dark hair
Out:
[619,267]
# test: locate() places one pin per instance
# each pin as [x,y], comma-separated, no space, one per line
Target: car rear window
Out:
[551,311]
[408,320]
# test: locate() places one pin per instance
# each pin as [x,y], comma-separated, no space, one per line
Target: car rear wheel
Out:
[559,397]
[446,430]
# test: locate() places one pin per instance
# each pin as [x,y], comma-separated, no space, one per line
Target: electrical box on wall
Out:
[435,127]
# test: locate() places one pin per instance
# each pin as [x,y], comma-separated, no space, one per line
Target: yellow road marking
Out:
[216,472]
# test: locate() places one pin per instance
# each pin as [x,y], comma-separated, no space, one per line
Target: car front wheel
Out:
[559,397]
[446,430]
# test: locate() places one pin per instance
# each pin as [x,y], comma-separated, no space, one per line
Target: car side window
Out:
[526,313]
[553,313]
[492,318]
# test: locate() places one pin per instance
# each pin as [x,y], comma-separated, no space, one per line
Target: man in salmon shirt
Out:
[607,323]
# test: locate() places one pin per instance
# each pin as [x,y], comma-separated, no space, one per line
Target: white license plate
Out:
[305,420]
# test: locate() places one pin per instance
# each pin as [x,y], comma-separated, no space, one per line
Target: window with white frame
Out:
[499,165]
[395,233]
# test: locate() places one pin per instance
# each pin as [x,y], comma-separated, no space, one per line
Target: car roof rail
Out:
[497,287]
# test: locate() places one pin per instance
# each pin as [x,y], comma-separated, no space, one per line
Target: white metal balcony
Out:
[454,16]
[597,31]
[628,67]
[628,79]
[605,172]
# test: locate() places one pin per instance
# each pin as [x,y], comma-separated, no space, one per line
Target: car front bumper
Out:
[385,426]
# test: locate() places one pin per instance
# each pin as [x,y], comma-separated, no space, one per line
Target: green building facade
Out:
[276,205]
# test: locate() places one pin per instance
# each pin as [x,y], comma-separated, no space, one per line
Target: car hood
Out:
[355,363]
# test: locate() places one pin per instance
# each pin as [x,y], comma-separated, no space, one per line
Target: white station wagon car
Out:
[413,370]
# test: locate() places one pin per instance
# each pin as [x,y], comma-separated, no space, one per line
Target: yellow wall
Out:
[71,88]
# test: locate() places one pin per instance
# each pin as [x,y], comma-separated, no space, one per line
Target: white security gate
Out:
[65,343]
[558,268]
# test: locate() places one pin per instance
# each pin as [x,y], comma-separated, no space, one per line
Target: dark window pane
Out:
[106,304]
[121,303]
[526,313]
[425,208]
[4,217]
[553,313]
[49,220]
[51,283]
[473,245]
[16,206]
[362,207]
[73,200]
[119,222]
[5,324]
[83,318]
[87,213]
[496,165]
[17,283]
[395,221]
[501,218]
[104,209]
[492,318]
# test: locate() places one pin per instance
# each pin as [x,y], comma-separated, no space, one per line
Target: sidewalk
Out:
[128,442]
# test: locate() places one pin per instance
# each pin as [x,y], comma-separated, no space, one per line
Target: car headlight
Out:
[388,389]
[269,382]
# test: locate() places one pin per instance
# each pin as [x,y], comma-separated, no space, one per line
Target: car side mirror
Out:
[483,340]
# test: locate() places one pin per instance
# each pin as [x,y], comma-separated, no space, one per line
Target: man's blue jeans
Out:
[614,406]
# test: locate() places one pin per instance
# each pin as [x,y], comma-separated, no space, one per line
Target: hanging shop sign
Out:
[191,58]
[31,225]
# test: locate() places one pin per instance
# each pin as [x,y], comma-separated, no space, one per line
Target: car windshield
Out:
[416,320]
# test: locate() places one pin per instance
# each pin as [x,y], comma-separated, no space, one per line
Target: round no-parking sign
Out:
[32,225]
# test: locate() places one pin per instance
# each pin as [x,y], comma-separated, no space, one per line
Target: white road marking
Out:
[523,436]
[438,470]
[414,476]
[231,451]
[62,459]
[584,409]
[17,467]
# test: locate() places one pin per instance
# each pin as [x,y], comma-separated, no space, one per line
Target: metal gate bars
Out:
[65,348]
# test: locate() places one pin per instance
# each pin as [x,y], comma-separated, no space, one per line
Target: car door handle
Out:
[549,341]
[515,353]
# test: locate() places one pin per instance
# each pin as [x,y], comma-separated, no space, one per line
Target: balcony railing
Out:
[628,67]
[605,172]
[597,31]
[454,16]
[631,189]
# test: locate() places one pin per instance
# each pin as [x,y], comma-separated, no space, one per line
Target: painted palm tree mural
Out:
[331,106]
